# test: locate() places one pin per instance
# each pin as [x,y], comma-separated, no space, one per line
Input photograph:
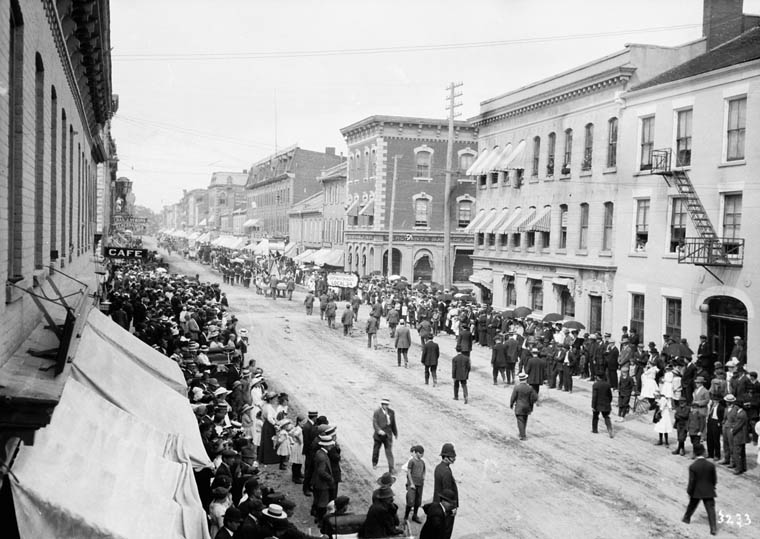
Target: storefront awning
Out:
[369,209]
[508,226]
[305,257]
[487,165]
[290,250]
[328,257]
[497,221]
[542,222]
[252,223]
[203,238]
[475,223]
[203,223]
[510,159]
[482,277]
[535,277]
[353,209]
[476,164]
[493,214]
[519,225]
[562,281]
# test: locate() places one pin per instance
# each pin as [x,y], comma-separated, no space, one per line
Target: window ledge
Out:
[39,276]
[14,293]
[564,178]
[670,256]
[465,180]
[531,250]
[638,254]
[605,254]
[549,178]
[737,163]
[581,252]
[422,179]
[533,179]
[586,173]
[517,249]
[560,252]
[610,170]
[420,227]
[685,168]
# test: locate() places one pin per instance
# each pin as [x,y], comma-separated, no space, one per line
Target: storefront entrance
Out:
[726,319]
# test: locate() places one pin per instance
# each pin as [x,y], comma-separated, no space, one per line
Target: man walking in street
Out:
[393,319]
[330,312]
[522,401]
[460,371]
[347,319]
[535,368]
[309,303]
[430,355]
[384,425]
[371,329]
[403,340]
[499,360]
[601,403]
[702,481]
[445,486]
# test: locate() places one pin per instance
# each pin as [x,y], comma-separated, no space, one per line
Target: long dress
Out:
[648,384]
[664,425]
[267,452]
[666,387]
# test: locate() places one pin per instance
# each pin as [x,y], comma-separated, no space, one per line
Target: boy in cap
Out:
[415,481]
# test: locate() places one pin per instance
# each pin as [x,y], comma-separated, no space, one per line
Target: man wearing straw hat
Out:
[322,477]
[384,425]
[522,401]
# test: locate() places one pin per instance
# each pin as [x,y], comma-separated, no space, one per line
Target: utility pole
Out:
[393,206]
[452,105]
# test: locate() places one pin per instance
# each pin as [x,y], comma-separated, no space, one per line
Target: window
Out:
[423,159]
[566,302]
[481,239]
[39,162]
[421,211]
[510,293]
[464,212]
[567,159]
[642,224]
[550,149]
[15,92]
[594,313]
[732,222]
[737,121]
[537,295]
[516,240]
[491,239]
[677,224]
[683,138]
[373,163]
[465,161]
[504,241]
[536,155]
[530,239]
[673,318]
[637,313]
[609,209]
[647,143]
[583,239]
[612,137]
[588,147]
[53,169]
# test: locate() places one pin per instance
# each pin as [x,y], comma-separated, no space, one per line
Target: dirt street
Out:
[563,481]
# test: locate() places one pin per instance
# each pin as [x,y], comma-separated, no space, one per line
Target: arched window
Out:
[588,147]
[551,147]
[53,169]
[536,155]
[568,154]
[423,160]
[39,158]
[464,213]
[612,137]
[608,225]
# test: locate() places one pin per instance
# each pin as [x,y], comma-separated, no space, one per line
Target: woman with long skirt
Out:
[267,451]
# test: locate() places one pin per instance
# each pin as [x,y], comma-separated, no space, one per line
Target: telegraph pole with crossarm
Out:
[451,107]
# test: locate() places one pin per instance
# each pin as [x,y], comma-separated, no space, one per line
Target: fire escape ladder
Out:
[694,206]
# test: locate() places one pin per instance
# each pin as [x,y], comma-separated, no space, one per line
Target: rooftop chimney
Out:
[722,20]
[330,150]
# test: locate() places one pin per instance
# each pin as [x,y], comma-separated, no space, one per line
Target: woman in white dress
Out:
[666,385]
[664,426]
[648,383]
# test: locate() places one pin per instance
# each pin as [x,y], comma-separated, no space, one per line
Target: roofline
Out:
[378,118]
[274,155]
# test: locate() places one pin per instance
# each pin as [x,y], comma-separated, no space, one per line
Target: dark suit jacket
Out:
[460,367]
[702,479]
[464,340]
[499,355]
[438,524]
[443,479]
[513,350]
[379,422]
[309,431]
[430,353]
[523,398]
[322,479]
[381,520]
[535,369]
[601,396]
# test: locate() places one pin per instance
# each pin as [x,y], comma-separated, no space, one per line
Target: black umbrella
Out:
[574,324]
[553,317]
[522,312]
[509,313]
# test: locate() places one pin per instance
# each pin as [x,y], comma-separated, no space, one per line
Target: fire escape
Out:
[707,250]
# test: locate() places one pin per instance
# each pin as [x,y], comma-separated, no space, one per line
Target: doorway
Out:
[726,319]
[595,314]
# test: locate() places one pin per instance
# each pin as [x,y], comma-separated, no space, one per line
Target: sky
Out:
[216,85]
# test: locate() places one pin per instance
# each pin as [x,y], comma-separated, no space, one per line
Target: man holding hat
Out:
[445,486]
[384,425]
[439,523]
[522,401]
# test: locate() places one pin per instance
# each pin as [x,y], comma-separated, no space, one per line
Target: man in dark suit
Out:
[687,379]
[513,345]
[309,432]
[460,372]
[322,478]
[702,481]
[601,403]
[440,520]
[430,355]
[535,368]
[443,481]
[464,339]
[232,521]
[499,360]
[384,425]
[522,401]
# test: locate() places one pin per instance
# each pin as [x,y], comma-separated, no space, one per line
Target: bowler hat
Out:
[447,450]
[383,493]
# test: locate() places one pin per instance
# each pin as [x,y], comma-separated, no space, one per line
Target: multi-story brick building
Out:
[547,182]
[279,181]
[306,222]
[226,193]
[333,181]
[196,207]
[686,230]
[55,71]
[418,147]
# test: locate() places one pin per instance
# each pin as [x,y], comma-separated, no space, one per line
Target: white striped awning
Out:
[476,222]
[510,224]
[510,159]
[489,218]
[519,226]
[542,222]
[476,164]
[487,165]
[353,209]
[499,220]
[369,209]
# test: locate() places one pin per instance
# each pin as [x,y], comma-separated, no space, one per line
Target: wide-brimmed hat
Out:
[729,398]
[383,493]
[275,511]
[522,376]
[325,440]
[386,480]
[385,401]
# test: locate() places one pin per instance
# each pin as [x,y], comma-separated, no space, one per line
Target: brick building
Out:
[418,213]
[195,204]
[279,181]
[306,221]
[58,168]
[226,194]
[333,181]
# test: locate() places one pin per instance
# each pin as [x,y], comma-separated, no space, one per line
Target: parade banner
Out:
[343,280]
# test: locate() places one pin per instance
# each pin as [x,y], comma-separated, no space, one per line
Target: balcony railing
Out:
[712,252]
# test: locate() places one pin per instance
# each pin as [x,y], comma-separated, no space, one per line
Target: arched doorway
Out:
[371,259]
[726,319]
[423,267]
[364,262]
[396,269]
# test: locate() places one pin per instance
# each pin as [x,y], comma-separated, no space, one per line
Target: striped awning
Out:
[489,218]
[353,209]
[476,222]
[487,165]
[251,223]
[369,209]
[508,226]
[542,222]
[519,226]
[510,159]
[495,223]
[476,164]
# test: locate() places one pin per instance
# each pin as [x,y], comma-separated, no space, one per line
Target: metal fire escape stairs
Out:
[707,250]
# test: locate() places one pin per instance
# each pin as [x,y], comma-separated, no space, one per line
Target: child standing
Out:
[283,442]
[296,453]
[682,420]
[415,481]
[625,390]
